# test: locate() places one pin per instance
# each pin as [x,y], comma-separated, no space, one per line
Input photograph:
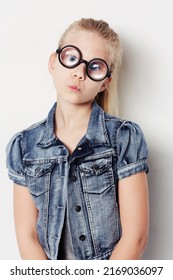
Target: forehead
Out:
[89,43]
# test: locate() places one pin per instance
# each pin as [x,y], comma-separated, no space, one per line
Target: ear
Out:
[105,84]
[51,63]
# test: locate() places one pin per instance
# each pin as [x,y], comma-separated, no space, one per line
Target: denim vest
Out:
[83,185]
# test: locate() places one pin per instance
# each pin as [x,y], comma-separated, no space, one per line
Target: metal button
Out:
[95,166]
[79,148]
[82,237]
[73,178]
[77,208]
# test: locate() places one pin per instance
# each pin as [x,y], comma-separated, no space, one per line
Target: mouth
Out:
[74,88]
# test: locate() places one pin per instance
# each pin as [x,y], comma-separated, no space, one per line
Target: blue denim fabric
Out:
[83,184]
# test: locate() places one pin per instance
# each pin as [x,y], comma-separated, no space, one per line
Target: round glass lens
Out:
[97,69]
[69,57]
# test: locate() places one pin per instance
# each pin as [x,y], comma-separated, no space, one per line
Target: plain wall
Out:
[29,32]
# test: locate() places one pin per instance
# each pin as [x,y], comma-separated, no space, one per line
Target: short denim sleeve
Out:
[14,160]
[132,150]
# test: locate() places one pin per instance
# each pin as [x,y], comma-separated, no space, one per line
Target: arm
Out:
[133,202]
[25,217]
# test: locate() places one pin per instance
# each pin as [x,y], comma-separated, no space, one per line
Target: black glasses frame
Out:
[81,60]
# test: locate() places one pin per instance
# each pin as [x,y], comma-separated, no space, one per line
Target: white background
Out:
[29,32]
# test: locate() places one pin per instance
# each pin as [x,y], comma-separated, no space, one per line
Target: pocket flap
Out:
[96,167]
[38,170]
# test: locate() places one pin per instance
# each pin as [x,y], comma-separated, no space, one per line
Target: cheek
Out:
[57,82]
[97,87]
[93,90]
[58,77]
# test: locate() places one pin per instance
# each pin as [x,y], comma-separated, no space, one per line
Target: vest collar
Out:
[96,134]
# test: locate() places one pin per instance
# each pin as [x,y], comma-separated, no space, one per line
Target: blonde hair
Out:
[107,99]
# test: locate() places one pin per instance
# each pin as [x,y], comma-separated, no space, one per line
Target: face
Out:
[73,85]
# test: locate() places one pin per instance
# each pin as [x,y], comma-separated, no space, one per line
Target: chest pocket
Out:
[97,175]
[38,177]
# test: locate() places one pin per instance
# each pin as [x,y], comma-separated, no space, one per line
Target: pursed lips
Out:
[74,88]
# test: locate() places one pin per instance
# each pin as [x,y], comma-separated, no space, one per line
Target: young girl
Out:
[80,186]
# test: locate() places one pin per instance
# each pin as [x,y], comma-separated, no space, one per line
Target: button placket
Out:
[73,178]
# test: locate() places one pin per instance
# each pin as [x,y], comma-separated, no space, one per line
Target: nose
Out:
[79,72]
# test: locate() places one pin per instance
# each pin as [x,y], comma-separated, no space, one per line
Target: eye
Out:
[71,58]
[98,66]
[94,66]
[97,69]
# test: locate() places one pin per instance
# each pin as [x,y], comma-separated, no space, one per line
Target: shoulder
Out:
[18,139]
[121,123]
[122,130]
[32,130]
[129,129]
[34,127]
[132,150]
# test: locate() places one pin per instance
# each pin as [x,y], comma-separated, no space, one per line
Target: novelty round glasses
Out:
[96,69]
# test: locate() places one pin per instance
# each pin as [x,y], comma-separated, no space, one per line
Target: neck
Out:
[71,116]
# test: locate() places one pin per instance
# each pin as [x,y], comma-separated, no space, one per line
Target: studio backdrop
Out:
[29,33]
